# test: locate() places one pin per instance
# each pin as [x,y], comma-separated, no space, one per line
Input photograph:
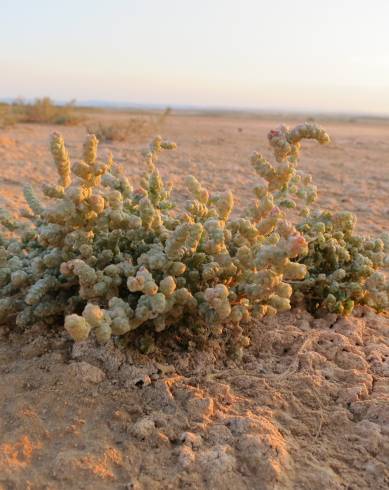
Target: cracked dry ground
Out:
[306,408]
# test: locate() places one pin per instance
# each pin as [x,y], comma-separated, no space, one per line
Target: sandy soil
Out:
[306,408]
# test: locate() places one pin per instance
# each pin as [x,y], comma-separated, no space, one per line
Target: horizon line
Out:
[123,105]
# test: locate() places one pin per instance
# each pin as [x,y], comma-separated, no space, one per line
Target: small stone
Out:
[143,428]
[84,371]
[304,325]
[200,408]
[133,485]
[36,348]
[190,439]
[186,456]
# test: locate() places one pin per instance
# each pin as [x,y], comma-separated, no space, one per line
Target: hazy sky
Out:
[330,55]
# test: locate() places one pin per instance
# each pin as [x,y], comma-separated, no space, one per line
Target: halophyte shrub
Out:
[110,259]
[343,268]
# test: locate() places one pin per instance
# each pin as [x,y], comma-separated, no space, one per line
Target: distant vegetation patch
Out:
[121,131]
[137,126]
[7,118]
[41,111]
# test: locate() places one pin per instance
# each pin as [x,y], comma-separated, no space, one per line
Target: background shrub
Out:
[43,111]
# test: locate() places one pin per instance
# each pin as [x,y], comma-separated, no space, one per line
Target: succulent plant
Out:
[343,268]
[106,259]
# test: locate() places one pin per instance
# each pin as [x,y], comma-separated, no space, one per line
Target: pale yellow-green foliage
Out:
[343,268]
[111,260]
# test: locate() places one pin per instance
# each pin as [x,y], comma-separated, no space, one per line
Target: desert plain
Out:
[306,408]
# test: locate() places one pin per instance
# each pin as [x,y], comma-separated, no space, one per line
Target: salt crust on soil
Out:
[307,408]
